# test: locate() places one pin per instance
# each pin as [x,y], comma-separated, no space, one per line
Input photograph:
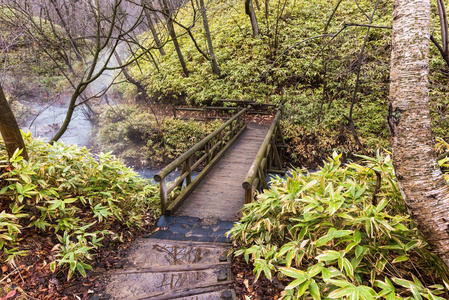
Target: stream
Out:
[46,124]
[49,119]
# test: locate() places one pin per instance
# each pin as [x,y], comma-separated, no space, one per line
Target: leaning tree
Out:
[9,129]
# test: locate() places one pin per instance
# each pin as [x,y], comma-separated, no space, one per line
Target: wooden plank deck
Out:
[220,194]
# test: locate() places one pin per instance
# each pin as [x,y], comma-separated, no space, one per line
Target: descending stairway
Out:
[185,259]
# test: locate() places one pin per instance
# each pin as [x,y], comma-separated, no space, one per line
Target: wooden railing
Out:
[206,113]
[214,146]
[268,160]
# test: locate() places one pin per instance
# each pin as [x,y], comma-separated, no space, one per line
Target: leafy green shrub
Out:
[133,134]
[326,234]
[67,191]
[177,137]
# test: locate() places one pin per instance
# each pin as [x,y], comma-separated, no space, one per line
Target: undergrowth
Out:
[292,61]
[328,236]
[66,191]
[133,134]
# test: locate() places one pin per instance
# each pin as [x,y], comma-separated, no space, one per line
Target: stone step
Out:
[198,293]
[150,252]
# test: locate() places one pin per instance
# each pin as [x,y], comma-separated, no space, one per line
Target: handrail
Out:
[267,155]
[205,111]
[212,152]
[253,108]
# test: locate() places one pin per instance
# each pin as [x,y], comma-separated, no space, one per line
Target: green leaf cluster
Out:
[134,135]
[65,190]
[326,235]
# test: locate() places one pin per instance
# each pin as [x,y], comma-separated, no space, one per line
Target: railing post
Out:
[174,112]
[276,155]
[263,173]
[220,140]
[208,152]
[188,165]
[249,195]
[244,117]
[163,195]
[231,127]
[269,154]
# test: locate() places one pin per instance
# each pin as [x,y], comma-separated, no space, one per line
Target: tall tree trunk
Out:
[425,192]
[152,28]
[249,9]
[171,31]
[9,129]
[267,10]
[213,60]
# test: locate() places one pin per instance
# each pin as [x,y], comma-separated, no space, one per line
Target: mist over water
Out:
[49,119]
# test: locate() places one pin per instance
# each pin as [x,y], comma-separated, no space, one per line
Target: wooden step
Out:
[166,269]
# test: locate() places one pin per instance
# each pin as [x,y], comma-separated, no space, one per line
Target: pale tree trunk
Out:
[9,129]
[213,60]
[421,181]
[249,9]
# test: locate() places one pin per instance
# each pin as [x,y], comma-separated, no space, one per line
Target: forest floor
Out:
[30,277]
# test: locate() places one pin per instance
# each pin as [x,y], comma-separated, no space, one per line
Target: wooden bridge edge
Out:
[187,191]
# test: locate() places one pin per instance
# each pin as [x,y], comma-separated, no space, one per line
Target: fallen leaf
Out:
[4,269]
[246,283]
[56,247]
[10,295]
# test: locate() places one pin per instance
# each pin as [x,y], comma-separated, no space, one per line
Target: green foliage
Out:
[324,233]
[65,190]
[315,77]
[133,133]
[30,51]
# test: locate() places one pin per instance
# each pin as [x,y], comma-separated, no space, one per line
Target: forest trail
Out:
[187,256]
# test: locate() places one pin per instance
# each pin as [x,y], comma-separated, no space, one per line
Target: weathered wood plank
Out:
[187,291]
[172,268]
[220,194]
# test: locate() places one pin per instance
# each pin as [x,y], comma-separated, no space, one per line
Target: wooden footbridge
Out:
[187,257]
[235,161]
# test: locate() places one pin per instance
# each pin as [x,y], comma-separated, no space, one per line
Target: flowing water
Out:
[49,119]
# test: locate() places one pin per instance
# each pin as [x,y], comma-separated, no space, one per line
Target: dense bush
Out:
[332,238]
[65,190]
[135,136]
